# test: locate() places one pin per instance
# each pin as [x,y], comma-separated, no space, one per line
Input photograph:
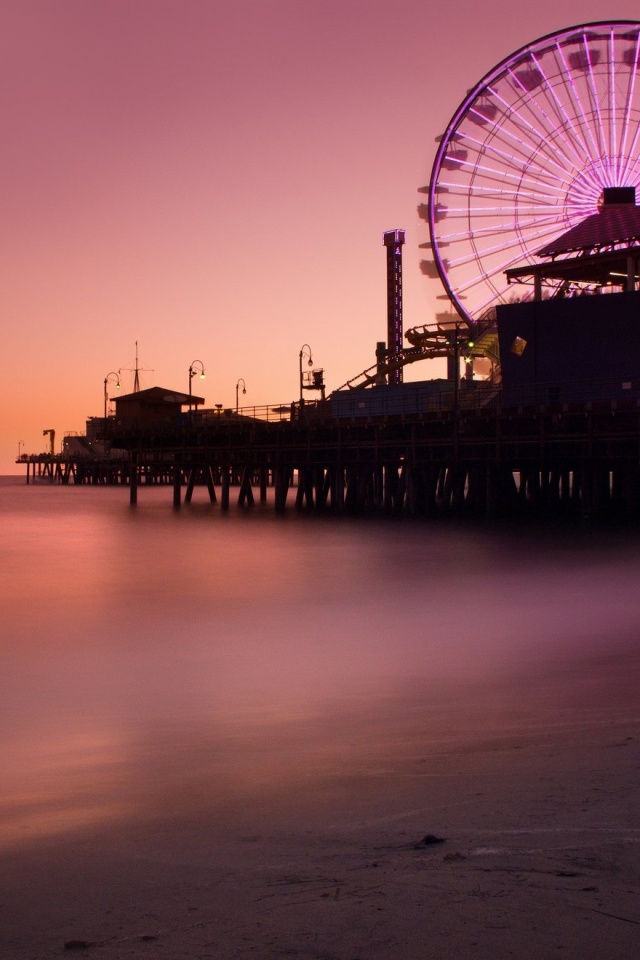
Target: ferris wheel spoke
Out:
[516,152]
[525,128]
[630,163]
[581,117]
[456,189]
[508,157]
[494,230]
[600,129]
[633,174]
[489,212]
[487,232]
[484,278]
[627,113]
[510,171]
[517,241]
[613,135]
[498,294]
[492,272]
[551,132]
[548,131]
[576,142]
[528,154]
[512,141]
[517,175]
[497,268]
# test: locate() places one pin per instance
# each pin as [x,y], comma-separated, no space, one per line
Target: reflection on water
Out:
[155,661]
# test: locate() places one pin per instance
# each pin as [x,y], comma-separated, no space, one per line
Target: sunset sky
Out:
[213,180]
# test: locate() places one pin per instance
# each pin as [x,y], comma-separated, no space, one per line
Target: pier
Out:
[574,460]
[578,461]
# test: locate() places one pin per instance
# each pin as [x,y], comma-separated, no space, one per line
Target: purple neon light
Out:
[588,205]
[498,211]
[627,108]
[486,274]
[632,175]
[540,137]
[502,173]
[489,181]
[562,165]
[474,140]
[550,89]
[549,131]
[541,199]
[489,147]
[626,175]
[596,101]
[508,244]
[486,232]
[543,137]
[451,187]
[631,165]
[613,140]
[588,197]
[567,76]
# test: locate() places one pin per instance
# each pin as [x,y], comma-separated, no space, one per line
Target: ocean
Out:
[158,663]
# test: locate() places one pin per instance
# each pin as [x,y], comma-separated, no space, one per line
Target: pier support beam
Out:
[133,478]
[245,494]
[281,479]
[264,482]
[225,476]
[177,485]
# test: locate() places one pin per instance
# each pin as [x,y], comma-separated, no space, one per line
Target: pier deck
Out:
[580,460]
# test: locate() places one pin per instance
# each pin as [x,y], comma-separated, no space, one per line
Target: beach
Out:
[230,738]
[520,840]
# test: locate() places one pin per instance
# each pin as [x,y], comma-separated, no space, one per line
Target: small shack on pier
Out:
[153,405]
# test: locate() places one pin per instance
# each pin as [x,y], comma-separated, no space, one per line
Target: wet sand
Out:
[530,783]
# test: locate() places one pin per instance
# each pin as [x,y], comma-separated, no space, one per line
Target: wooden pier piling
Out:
[546,460]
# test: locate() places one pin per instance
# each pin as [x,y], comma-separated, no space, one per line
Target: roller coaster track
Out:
[428,342]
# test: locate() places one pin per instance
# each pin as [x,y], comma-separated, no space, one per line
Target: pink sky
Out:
[213,180]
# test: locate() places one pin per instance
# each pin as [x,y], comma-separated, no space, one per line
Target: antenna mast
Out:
[136,379]
[136,372]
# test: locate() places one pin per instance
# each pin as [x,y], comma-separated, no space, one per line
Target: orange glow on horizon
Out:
[215,183]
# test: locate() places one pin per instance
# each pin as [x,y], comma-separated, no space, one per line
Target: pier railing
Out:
[474,396]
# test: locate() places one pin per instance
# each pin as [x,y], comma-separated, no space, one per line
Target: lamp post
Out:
[244,390]
[193,369]
[305,351]
[112,373]
[20,444]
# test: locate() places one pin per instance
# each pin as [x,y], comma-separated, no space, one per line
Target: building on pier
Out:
[154,404]
[576,340]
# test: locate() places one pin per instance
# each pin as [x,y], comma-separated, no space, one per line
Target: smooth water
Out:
[156,663]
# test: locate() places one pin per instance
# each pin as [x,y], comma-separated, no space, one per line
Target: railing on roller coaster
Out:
[430,342]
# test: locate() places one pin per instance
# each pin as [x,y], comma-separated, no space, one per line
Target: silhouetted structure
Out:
[393,241]
[153,405]
[581,343]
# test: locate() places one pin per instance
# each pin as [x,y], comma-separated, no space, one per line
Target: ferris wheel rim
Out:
[461,112]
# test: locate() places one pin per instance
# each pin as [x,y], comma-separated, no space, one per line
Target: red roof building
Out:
[601,251]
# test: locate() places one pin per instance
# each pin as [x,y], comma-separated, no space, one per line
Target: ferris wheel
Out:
[527,155]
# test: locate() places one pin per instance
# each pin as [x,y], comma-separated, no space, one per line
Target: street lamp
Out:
[20,444]
[192,372]
[244,390]
[305,351]
[112,373]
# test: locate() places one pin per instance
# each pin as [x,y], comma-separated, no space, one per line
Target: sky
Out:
[212,180]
